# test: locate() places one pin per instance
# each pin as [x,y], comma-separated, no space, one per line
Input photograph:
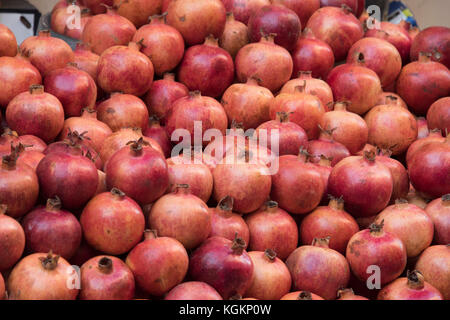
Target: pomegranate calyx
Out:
[321,242]
[226,203]
[304,295]
[238,245]
[270,255]
[415,280]
[53,204]
[105,265]
[50,262]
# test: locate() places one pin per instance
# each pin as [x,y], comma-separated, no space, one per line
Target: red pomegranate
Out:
[275,19]
[272,227]
[243,9]
[197,19]
[98,6]
[158,133]
[434,136]
[83,254]
[348,294]
[106,278]
[32,143]
[123,111]
[76,32]
[47,53]
[106,30]
[438,116]
[423,82]
[271,279]
[422,127]
[74,88]
[12,240]
[162,43]
[306,110]
[301,295]
[392,98]
[303,8]
[329,221]
[413,287]
[435,40]
[51,228]
[36,113]
[352,4]
[399,175]
[224,265]
[439,212]
[326,147]
[30,158]
[319,269]
[266,61]
[9,42]
[86,60]
[376,247]
[338,27]
[415,198]
[158,264]
[356,84]
[139,170]
[207,68]
[193,290]
[138,11]
[41,276]
[234,36]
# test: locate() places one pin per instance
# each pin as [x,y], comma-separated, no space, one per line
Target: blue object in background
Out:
[398,11]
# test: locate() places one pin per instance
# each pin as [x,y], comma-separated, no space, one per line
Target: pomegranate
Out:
[162,43]
[439,212]
[12,240]
[352,4]
[326,147]
[224,265]
[348,294]
[379,56]
[74,88]
[306,110]
[98,6]
[41,276]
[266,61]
[423,82]
[163,93]
[83,254]
[197,19]
[158,133]
[51,228]
[207,68]
[2,288]
[138,170]
[413,287]
[434,264]
[106,30]
[422,127]
[158,264]
[226,223]
[234,36]
[356,84]
[317,268]
[303,8]
[9,42]
[374,246]
[301,295]
[271,279]
[275,19]
[77,32]
[193,290]
[272,227]
[341,30]
[435,40]
[435,135]
[86,60]
[438,116]
[392,98]
[102,187]
[415,198]
[123,111]
[31,158]
[138,11]
[36,113]
[314,86]
[329,221]
[243,9]
[106,278]
[298,185]
[399,175]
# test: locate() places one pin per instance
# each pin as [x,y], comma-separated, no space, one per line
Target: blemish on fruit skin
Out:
[353,249]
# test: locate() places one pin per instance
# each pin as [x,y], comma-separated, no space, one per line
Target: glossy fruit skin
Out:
[193,290]
[138,11]
[9,42]
[98,282]
[297,186]
[163,44]
[379,56]
[86,60]
[420,92]
[434,264]
[12,242]
[47,53]
[142,175]
[400,177]
[243,9]
[382,249]
[439,212]
[329,221]
[158,264]
[272,227]
[303,8]
[50,228]
[258,59]
[438,116]
[318,269]
[61,173]
[399,290]
[234,36]
[182,216]
[8,137]
[356,84]
[123,111]
[301,295]
[107,30]
[207,68]
[341,31]
[435,40]
[434,136]
[37,113]
[29,280]
[365,185]
[158,134]
[197,19]
[226,269]
[276,19]
[271,279]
